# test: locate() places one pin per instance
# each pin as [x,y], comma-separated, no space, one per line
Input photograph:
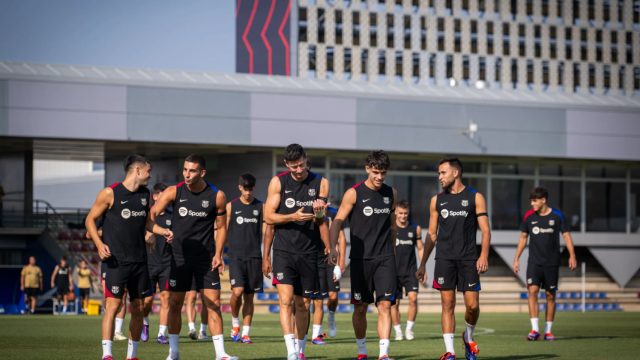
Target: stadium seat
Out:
[274,296]
[616,307]
[344,309]
[64,236]
[597,307]
[344,296]
[11,309]
[1,309]
[263,297]
[589,306]
[226,261]
[602,295]
[576,307]
[576,295]
[542,295]
[524,296]
[274,309]
[76,236]
[563,295]
[542,307]
[592,295]
[607,307]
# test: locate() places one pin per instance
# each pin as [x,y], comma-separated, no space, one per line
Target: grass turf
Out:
[499,336]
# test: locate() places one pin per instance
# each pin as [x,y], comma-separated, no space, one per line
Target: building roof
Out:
[281,84]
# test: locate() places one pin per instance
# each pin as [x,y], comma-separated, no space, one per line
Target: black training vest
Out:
[62,277]
[245,229]
[457,225]
[370,222]
[405,249]
[162,253]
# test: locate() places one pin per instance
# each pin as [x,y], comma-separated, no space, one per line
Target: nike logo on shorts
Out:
[214,284]
[366,200]
[472,284]
[388,294]
[308,292]
[183,200]
[415,288]
[122,202]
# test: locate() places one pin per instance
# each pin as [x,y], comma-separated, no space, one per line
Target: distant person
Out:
[1,206]
[62,276]
[31,283]
[85,284]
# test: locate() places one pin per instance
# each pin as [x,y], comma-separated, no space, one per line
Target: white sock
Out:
[547,329]
[534,324]
[235,322]
[218,343]
[301,344]
[384,347]
[289,341]
[448,342]
[64,309]
[469,332]
[192,326]
[245,330]
[173,345]
[132,350]
[163,330]
[317,330]
[397,328]
[203,327]
[362,346]
[410,325]
[145,320]
[119,323]
[106,347]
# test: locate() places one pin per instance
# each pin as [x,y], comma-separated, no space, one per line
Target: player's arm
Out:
[319,206]
[40,278]
[53,276]
[522,243]
[348,201]
[264,224]
[221,234]
[419,244]
[568,242]
[343,251]
[228,214]
[483,222]
[393,230]
[102,204]
[271,206]
[70,281]
[429,242]
[166,198]
[22,279]
[269,231]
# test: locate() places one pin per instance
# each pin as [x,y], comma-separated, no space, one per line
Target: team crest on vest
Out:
[410,234]
[144,201]
[256,212]
[440,280]
[172,282]
[465,202]
[386,200]
[115,289]
[552,222]
[280,276]
[312,192]
[169,222]
[205,203]
[357,296]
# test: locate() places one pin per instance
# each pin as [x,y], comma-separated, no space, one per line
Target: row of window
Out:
[620,42]
[512,8]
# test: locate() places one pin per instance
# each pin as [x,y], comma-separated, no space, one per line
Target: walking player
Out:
[245,258]
[370,206]
[544,225]
[409,239]
[456,214]
[62,275]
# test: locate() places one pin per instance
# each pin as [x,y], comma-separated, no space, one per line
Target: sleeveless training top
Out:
[162,253]
[297,237]
[370,222]
[457,225]
[245,229]
[405,249]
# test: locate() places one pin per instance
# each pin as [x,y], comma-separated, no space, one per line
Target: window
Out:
[364,61]
[537,41]
[302,24]
[636,81]
[568,41]
[341,182]
[614,46]
[465,8]
[339,27]
[560,76]
[514,73]
[490,38]
[465,70]
[513,168]
[330,58]
[529,10]
[355,19]
[457,35]
[521,40]
[482,68]
[418,190]
[635,207]
[407,31]
[312,61]
[415,68]
[481,9]
[592,79]
[510,201]
[390,31]
[591,12]
[621,79]
[559,12]
[432,69]
[449,66]
[505,39]
[565,196]
[514,10]
[423,33]
[398,75]
[440,34]
[320,25]
[448,7]
[576,78]
[599,45]
[607,79]
[606,172]
[583,44]
[474,37]
[373,30]
[606,13]
[552,42]
[559,170]
[382,66]
[498,69]
[347,64]
[606,206]
[629,50]
[576,12]
[545,11]
[545,75]
[530,74]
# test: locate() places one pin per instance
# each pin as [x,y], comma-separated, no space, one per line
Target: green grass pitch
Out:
[499,337]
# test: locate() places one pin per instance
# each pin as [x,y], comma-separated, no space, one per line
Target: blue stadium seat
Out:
[11,309]
[263,297]
[592,295]
[273,296]
[607,307]
[589,306]
[226,261]
[597,307]
[616,307]
[563,307]
[576,295]
[563,295]
[542,295]
[576,307]
[524,296]
[343,309]
[274,309]
[602,295]
[1,309]
[344,296]
[542,307]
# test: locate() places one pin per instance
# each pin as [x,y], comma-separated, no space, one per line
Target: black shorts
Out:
[31,292]
[185,272]
[246,273]
[103,271]
[159,276]
[325,278]
[409,283]
[542,276]
[452,274]
[63,290]
[299,270]
[369,275]
[132,276]
[84,292]
[194,287]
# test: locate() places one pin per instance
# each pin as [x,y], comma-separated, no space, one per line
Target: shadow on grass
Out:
[588,337]
[523,357]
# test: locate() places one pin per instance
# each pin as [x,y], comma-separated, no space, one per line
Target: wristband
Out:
[323,199]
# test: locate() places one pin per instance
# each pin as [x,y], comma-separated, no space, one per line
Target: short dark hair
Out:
[247,180]
[82,261]
[403,204]
[454,162]
[538,192]
[197,159]
[131,160]
[308,164]
[378,159]
[294,152]
[158,188]
[63,258]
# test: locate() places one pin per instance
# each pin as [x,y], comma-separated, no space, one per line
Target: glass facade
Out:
[592,197]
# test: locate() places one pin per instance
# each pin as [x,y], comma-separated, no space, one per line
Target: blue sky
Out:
[160,34]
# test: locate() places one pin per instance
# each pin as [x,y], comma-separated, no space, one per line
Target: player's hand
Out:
[266,267]
[70,289]
[421,274]
[103,251]
[516,267]
[40,288]
[343,267]
[217,263]
[169,235]
[300,216]
[573,264]
[21,287]
[53,285]
[319,205]
[332,259]
[151,243]
[482,265]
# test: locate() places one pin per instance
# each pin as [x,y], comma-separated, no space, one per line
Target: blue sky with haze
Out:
[194,35]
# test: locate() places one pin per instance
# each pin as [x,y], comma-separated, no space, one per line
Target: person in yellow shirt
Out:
[31,283]
[85,284]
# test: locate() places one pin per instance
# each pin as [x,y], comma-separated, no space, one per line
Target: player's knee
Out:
[303,305]
[413,301]
[360,309]
[473,307]
[551,296]
[237,292]
[247,297]
[286,301]
[448,305]
[333,296]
